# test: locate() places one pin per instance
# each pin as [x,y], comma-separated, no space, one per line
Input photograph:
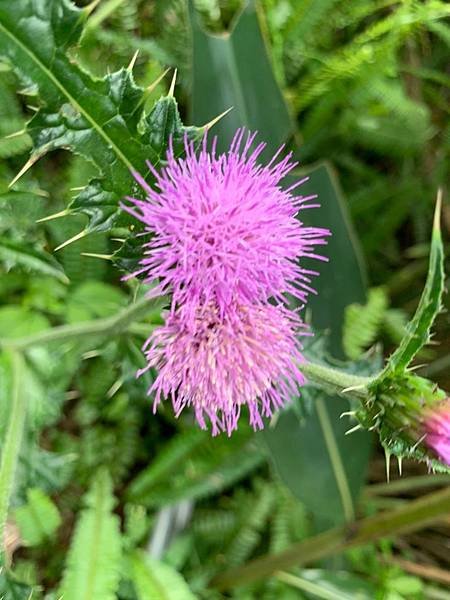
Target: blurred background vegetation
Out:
[364,104]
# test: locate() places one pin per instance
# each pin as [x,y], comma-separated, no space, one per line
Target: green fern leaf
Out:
[94,561]
[154,580]
[362,323]
[38,519]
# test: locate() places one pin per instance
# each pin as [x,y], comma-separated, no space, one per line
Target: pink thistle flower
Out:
[437,430]
[224,230]
[218,364]
[226,241]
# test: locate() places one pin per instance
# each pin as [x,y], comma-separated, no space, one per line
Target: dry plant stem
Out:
[414,516]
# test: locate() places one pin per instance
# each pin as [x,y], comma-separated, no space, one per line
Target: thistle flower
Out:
[223,228]
[437,430]
[226,240]
[218,364]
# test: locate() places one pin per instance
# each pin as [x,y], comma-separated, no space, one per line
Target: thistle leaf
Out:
[14,252]
[94,560]
[100,119]
[418,329]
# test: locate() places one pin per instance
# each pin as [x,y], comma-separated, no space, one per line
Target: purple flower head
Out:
[226,241]
[218,364]
[437,430]
[224,230]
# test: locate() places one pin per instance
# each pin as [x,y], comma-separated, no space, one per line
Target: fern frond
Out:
[154,580]
[94,560]
[362,323]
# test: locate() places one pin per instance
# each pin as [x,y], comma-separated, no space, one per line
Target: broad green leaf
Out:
[322,465]
[419,328]
[16,322]
[233,70]
[38,519]
[154,580]
[14,252]
[100,119]
[94,560]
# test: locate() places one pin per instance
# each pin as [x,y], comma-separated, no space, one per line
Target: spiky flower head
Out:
[226,241]
[412,417]
[224,230]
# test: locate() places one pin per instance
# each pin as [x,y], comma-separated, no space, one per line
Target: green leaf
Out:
[100,119]
[419,328]
[93,300]
[234,70]
[329,585]
[15,252]
[94,560]
[362,323]
[38,519]
[194,465]
[154,580]
[11,588]
[324,467]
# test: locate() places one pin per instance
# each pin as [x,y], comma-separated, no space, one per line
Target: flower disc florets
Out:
[218,364]
[223,228]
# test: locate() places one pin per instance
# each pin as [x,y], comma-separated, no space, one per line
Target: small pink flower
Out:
[437,429]
[218,364]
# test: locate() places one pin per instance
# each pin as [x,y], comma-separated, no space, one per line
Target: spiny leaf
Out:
[38,519]
[100,119]
[15,252]
[362,323]
[93,563]
[154,580]
[418,329]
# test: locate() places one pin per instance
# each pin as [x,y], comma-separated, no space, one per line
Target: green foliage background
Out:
[110,501]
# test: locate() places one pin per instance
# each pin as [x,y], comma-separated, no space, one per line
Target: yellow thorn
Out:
[91,7]
[57,215]
[437,211]
[77,189]
[400,462]
[92,255]
[217,119]
[25,168]
[172,84]
[133,61]
[388,465]
[152,86]
[16,134]
[75,238]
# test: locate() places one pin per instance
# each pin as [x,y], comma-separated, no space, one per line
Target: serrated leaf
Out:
[154,580]
[94,560]
[419,328]
[38,519]
[362,323]
[15,252]
[100,119]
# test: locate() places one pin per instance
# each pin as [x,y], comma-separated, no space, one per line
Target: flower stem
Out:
[12,443]
[335,381]
[107,326]
[413,516]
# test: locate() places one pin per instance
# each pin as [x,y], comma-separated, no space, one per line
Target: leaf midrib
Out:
[72,100]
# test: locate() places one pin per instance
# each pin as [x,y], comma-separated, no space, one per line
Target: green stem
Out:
[415,515]
[12,444]
[335,381]
[104,327]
